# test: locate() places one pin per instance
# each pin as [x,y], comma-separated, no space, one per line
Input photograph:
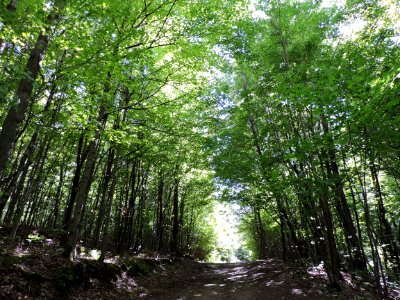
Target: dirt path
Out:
[40,273]
[268,279]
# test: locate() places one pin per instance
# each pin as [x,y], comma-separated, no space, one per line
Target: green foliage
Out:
[310,110]
[139,267]
[175,103]
[36,237]
[243,254]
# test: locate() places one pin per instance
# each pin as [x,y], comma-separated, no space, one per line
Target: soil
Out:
[35,269]
[266,279]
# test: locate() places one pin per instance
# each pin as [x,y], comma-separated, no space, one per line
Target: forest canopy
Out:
[123,122]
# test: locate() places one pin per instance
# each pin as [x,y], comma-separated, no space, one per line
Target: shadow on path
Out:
[267,279]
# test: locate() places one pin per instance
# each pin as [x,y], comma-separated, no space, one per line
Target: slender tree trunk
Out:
[16,113]
[84,187]
[358,261]
[26,159]
[283,237]
[80,159]
[262,244]
[292,229]
[387,238]
[23,166]
[110,197]
[103,205]
[15,197]
[37,176]
[333,268]
[160,224]
[57,200]
[377,264]
[139,216]
[136,178]
[175,216]
[18,199]
[182,207]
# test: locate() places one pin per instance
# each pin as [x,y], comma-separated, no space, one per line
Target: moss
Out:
[139,267]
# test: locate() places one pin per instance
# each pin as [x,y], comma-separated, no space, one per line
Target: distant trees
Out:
[99,115]
[112,111]
[317,148]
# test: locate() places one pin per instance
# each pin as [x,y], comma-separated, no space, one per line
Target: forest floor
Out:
[35,269]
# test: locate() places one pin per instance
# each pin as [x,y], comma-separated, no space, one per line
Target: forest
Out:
[124,124]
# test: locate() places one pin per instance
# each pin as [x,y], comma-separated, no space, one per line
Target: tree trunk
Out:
[357,259]
[387,238]
[160,223]
[262,244]
[16,114]
[84,187]
[103,205]
[136,178]
[175,216]
[23,166]
[15,197]
[332,261]
[12,6]
[80,159]
[57,199]
[110,196]
[139,216]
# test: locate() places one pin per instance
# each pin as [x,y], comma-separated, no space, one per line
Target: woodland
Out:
[123,123]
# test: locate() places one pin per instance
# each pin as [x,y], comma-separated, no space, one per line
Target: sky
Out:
[226,230]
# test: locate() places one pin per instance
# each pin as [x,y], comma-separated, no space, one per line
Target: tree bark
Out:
[23,166]
[80,159]
[160,223]
[16,114]
[12,6]
[175,217]
[357,259]
[262,244]
[333,268]
[110,196]
[84,187]
[387,238]
[57,200]
[103,202]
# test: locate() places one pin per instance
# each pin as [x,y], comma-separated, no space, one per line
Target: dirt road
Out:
[267,279]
